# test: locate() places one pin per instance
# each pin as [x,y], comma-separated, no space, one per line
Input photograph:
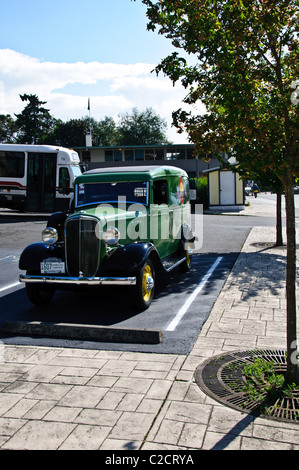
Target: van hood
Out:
[109,214]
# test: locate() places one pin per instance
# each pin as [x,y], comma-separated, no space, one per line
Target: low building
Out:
[181,155]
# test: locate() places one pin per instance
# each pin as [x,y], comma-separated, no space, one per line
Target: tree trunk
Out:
[292,362]
[279,238]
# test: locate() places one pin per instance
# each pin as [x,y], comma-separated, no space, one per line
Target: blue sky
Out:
[65,51]
[81,30]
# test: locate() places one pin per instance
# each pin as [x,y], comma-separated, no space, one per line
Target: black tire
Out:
[39,293]
[145,286]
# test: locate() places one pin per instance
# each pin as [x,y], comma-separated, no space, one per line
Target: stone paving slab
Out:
[117,400]
[64,398]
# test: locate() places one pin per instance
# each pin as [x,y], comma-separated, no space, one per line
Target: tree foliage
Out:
[34,122]
[105,132]
[35,125]
[244,67]
[247,61]
[142,128]
[7,128]
[68,134]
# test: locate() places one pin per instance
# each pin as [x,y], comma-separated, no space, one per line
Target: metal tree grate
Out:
[221,377]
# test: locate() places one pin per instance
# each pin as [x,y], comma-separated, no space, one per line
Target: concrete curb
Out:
[82,332]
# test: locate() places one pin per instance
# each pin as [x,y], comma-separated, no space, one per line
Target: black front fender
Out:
[32,256]
[56,219]
[129,259]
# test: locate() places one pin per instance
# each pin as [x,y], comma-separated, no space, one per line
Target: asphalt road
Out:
[182,302]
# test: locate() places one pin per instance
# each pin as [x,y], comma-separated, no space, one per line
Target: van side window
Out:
[160,192]
[64,178]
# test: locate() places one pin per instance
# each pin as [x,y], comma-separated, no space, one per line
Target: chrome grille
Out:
[82,247]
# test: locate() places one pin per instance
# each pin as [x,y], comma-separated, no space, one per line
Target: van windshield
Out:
[98,193]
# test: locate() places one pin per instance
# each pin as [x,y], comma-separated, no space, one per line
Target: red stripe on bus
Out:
[12,183]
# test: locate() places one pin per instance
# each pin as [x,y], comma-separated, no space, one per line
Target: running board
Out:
[172,262]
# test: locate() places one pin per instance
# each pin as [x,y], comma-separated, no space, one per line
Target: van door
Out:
[41,182]
[161,219]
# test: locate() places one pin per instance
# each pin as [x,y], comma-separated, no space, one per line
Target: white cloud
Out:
[119,88]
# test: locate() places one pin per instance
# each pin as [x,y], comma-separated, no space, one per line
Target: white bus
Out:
[37,178]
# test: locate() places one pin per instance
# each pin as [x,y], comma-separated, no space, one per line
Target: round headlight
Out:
[49,236]
[111,236]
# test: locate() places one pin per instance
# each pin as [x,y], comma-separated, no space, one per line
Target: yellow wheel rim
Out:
[188,257]
[147,283]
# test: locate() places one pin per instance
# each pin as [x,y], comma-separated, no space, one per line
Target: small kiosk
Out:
[225,190]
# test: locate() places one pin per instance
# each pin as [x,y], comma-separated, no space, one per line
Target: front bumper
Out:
[84,281]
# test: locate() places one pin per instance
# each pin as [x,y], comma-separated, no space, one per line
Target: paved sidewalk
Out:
[63,398]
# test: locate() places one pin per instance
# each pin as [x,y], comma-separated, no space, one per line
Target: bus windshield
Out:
[98,193]
[76,170]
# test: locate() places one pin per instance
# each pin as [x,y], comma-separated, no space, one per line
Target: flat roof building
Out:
[180,155]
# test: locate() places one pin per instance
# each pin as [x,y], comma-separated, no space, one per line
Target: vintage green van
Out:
[128,223]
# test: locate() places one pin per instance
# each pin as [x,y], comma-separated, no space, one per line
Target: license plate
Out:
[52,267]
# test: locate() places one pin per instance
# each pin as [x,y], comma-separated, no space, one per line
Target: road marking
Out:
[12,257]
[6,258]
[174,323]
[11,286]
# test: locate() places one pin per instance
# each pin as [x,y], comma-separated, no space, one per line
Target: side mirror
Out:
[65,190]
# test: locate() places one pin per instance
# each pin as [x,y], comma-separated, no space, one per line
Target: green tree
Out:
[68,134]
[245,70]
[105,132]
[34,123]
[72,133]
[7,129]
[142,128]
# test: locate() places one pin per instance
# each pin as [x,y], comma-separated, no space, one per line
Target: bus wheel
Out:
[39,293]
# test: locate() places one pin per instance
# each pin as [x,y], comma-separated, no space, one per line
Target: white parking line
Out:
[6,257]
[174,323]
[11,286]
[10,257]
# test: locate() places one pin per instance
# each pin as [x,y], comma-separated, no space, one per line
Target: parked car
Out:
[248,190]
[128,223]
